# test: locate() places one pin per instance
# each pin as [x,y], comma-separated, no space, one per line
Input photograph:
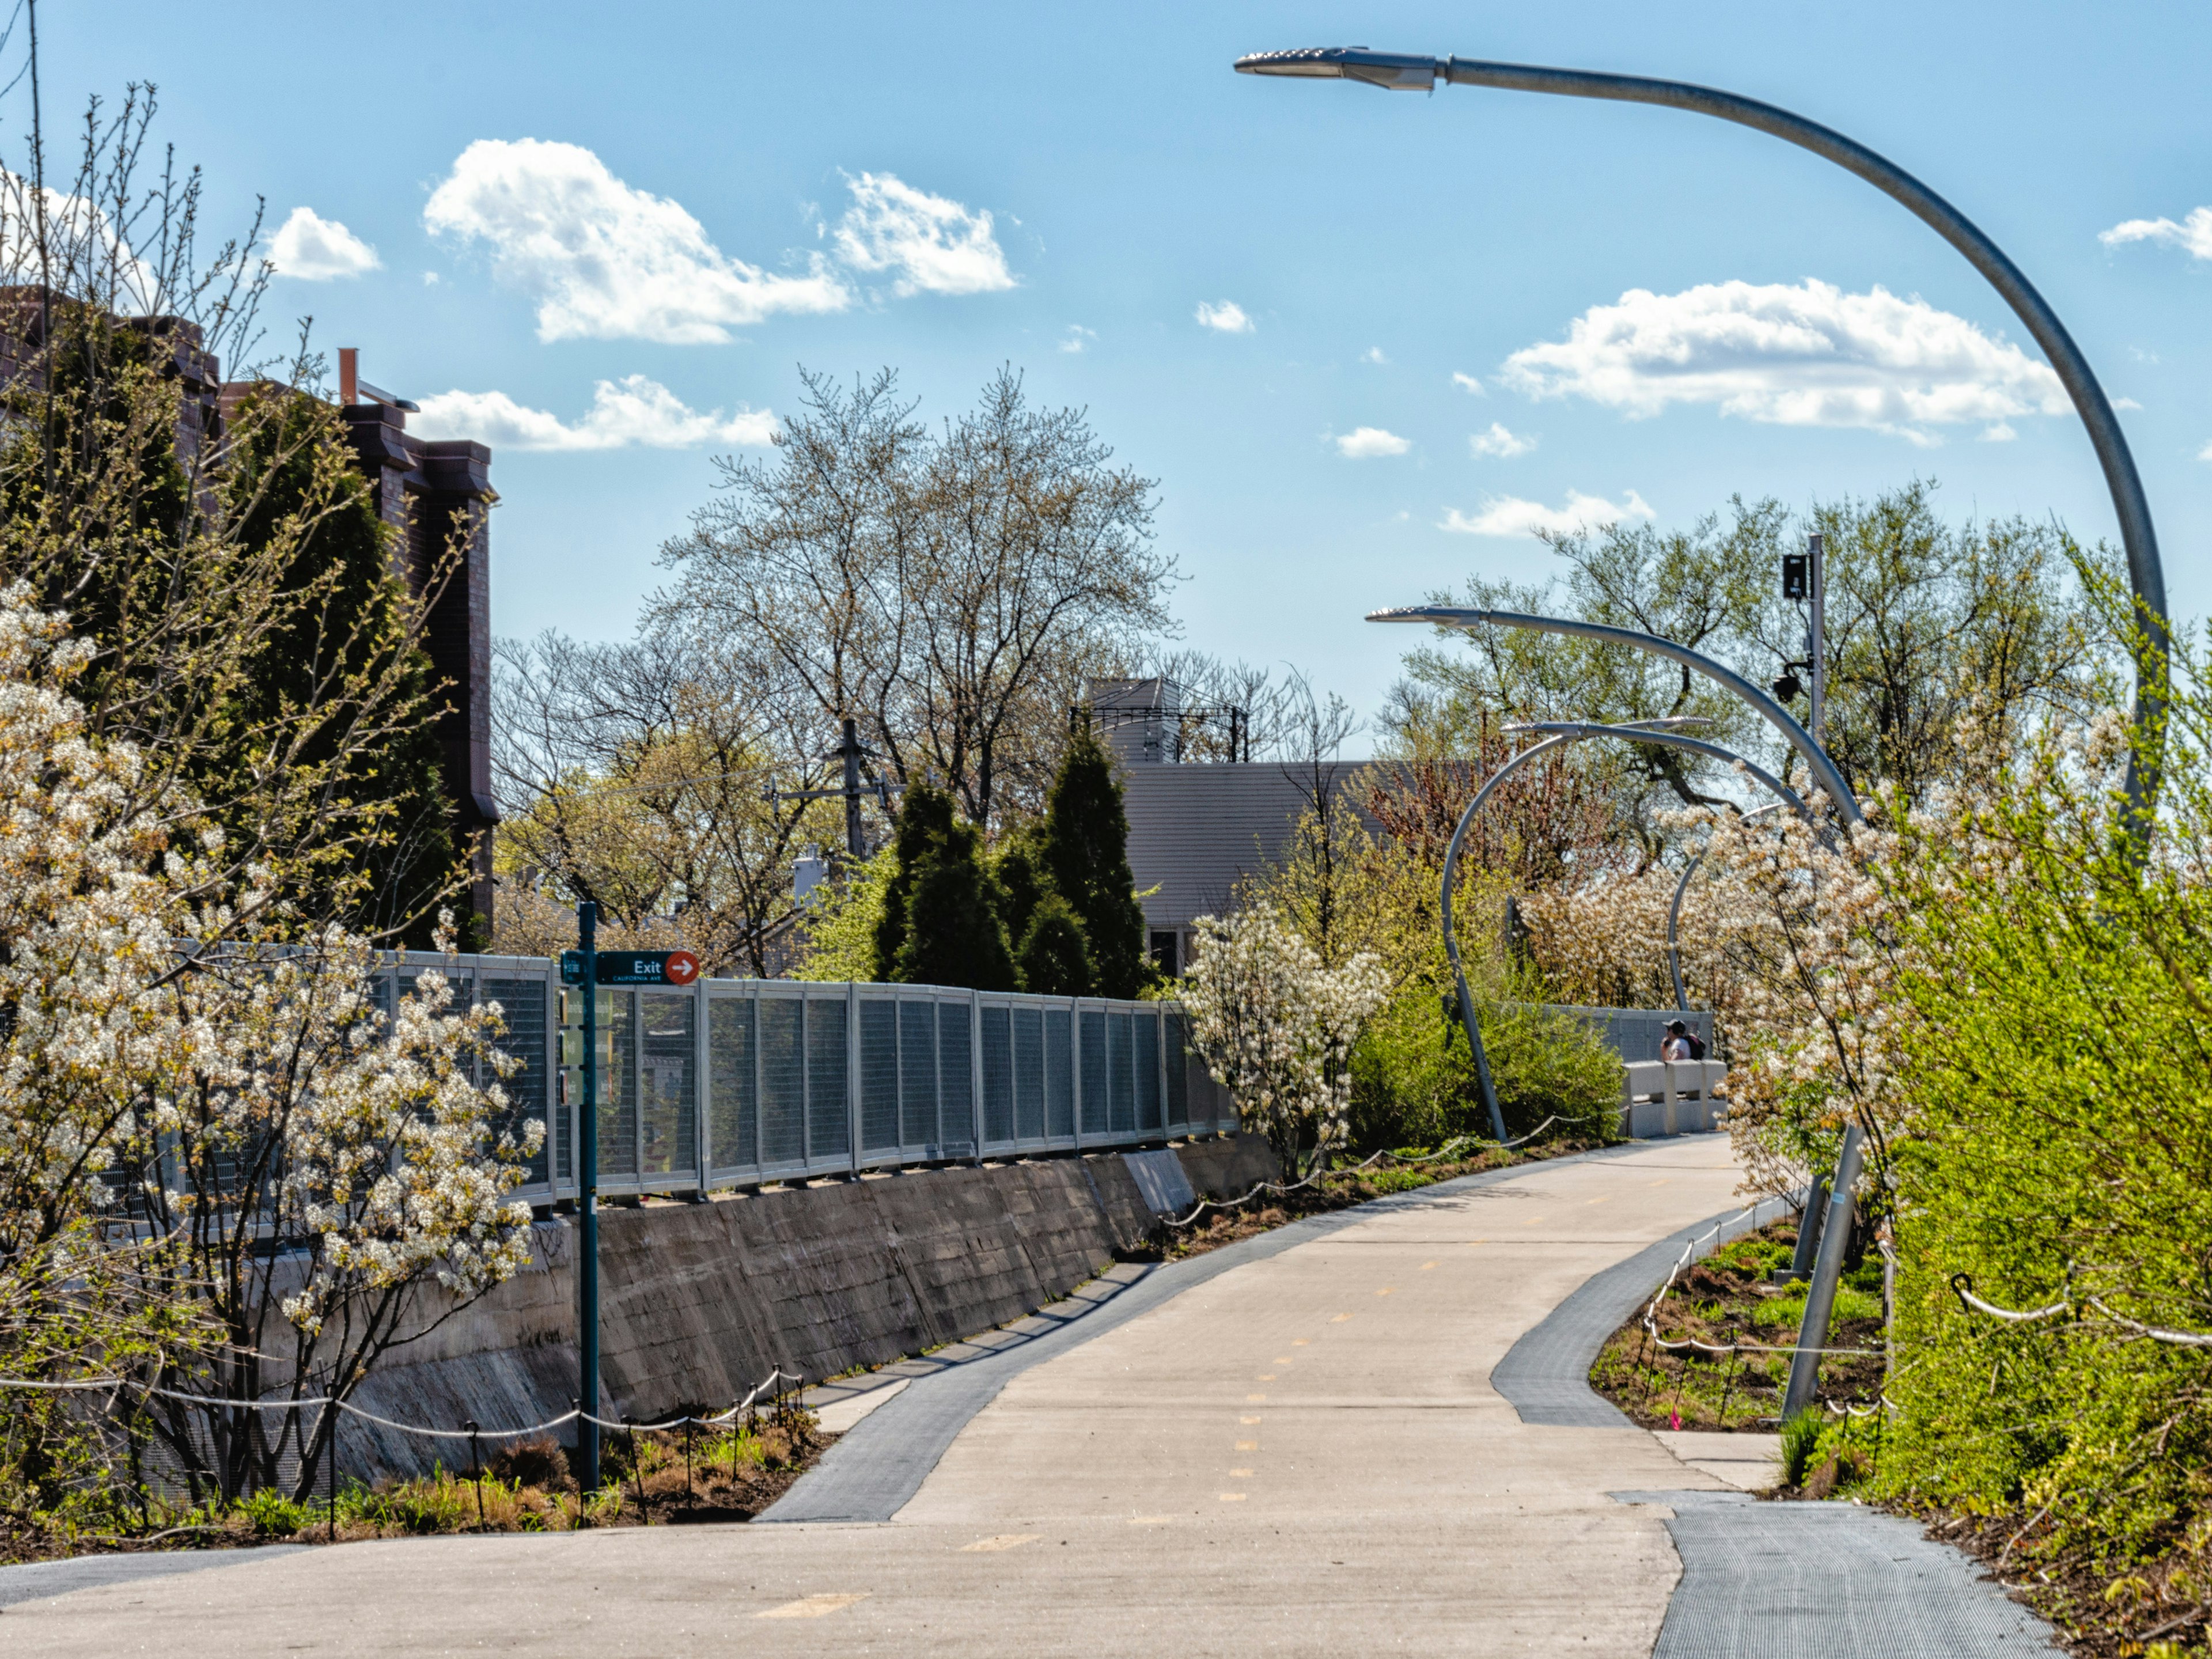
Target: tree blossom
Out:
[1276,1029]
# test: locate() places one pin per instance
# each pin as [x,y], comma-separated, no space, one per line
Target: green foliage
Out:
[1086,853]
[1413,1076]
[356,633]
[2061,1152]
[1801,1441]
[841,938]
[1055,959]
[940,917]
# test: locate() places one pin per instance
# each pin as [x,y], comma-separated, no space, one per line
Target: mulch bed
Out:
[1728,1302]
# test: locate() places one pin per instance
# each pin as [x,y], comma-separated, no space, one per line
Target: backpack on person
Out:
[1695,1045]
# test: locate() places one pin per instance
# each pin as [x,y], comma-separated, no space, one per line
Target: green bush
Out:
[1413,1078]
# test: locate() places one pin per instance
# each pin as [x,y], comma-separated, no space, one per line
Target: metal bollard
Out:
[1809,1230]
[1820,1298]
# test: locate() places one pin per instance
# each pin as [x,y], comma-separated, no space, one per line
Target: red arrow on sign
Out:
[683,967]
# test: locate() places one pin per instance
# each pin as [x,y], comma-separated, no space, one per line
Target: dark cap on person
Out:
[1677,1027]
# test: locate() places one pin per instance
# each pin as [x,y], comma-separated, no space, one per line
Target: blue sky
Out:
[757,187]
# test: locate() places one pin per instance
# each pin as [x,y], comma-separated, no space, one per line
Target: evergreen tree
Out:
[1086,853]
[940,922]
[1055,959]
[1023,879]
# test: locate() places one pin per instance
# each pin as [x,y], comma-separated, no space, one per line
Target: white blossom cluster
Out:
[1276,1029]
[185,1068]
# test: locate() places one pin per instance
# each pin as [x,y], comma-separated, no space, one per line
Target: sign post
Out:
[587,1200]
[583,971]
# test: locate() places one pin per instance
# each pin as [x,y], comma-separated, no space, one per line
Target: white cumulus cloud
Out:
[2193,235]
[1228,317]
[1510,515]
[1500,442]
[934,244]
[1076,337]
[604,260]
[2205,454]
[1469,384]
[1363,443]
[1374,355]
[632,413]
[1802,354]
[316,250]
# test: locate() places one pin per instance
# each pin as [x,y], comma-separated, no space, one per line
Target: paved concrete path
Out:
[1300,1455]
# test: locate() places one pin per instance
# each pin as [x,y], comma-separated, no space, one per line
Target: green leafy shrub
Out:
[1413,1076]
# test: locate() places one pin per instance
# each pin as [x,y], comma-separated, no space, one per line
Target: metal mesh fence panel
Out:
[1178,1075]
[1122,1093]
[522,1003]
[1145,1028]
[829,1129]
[1029,1072]
[1059,1074]
[918,1075]
[668,1092]
[618,1092]
[998,1075]
[783,1081]
[956,1080]
[880,1075]
[734,1119]
[1092,1022]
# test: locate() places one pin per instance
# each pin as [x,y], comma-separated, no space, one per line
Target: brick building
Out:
[436,495]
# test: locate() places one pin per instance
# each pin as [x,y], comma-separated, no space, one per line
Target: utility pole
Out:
[851,753]
[1816,638]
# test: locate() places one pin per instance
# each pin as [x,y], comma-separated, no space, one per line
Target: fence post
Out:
[1075,1063]
[975,1070]
[1821,1296]
[1160,1065]
[852,1076]
[702,1091]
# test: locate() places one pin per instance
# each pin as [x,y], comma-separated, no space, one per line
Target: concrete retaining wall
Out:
[700,1300]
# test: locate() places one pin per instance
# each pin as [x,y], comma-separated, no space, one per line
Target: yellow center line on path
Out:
[1240,1475]
[1532,1221]
[1386,1290]
[1265,1376]
[1005,1540]
[1232,1497]
[1248,1445]
[1255,1398]
[1301,1341]
[1339,1319]
[1664,1181]
[1425,1266]
[813,1607]
[1247,1419]
[1600,1199]
[1282,1362]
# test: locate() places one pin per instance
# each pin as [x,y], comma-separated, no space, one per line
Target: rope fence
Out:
[1962,1286]
[216,1403]
[1451,1148]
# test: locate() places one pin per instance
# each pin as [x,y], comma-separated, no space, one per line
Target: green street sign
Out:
[676,968]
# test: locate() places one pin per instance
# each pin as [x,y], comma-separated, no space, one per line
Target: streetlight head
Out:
[1393,71]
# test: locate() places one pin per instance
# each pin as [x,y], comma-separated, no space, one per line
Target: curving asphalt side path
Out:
[1293,1446]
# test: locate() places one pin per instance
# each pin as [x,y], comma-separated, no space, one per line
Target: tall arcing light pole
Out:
[1401,72]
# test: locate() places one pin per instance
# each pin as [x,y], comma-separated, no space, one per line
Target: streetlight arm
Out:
[1787,797]
[1825,771]
[1398,71]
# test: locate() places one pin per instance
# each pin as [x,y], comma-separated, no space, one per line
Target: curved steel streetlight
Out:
[1401,72]
[1562,732]
[1825,771]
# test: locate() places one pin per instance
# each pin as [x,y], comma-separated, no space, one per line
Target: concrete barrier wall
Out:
[701,1301]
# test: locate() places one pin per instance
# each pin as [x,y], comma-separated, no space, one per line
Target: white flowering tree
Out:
[1276,1029]
[223,1168]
